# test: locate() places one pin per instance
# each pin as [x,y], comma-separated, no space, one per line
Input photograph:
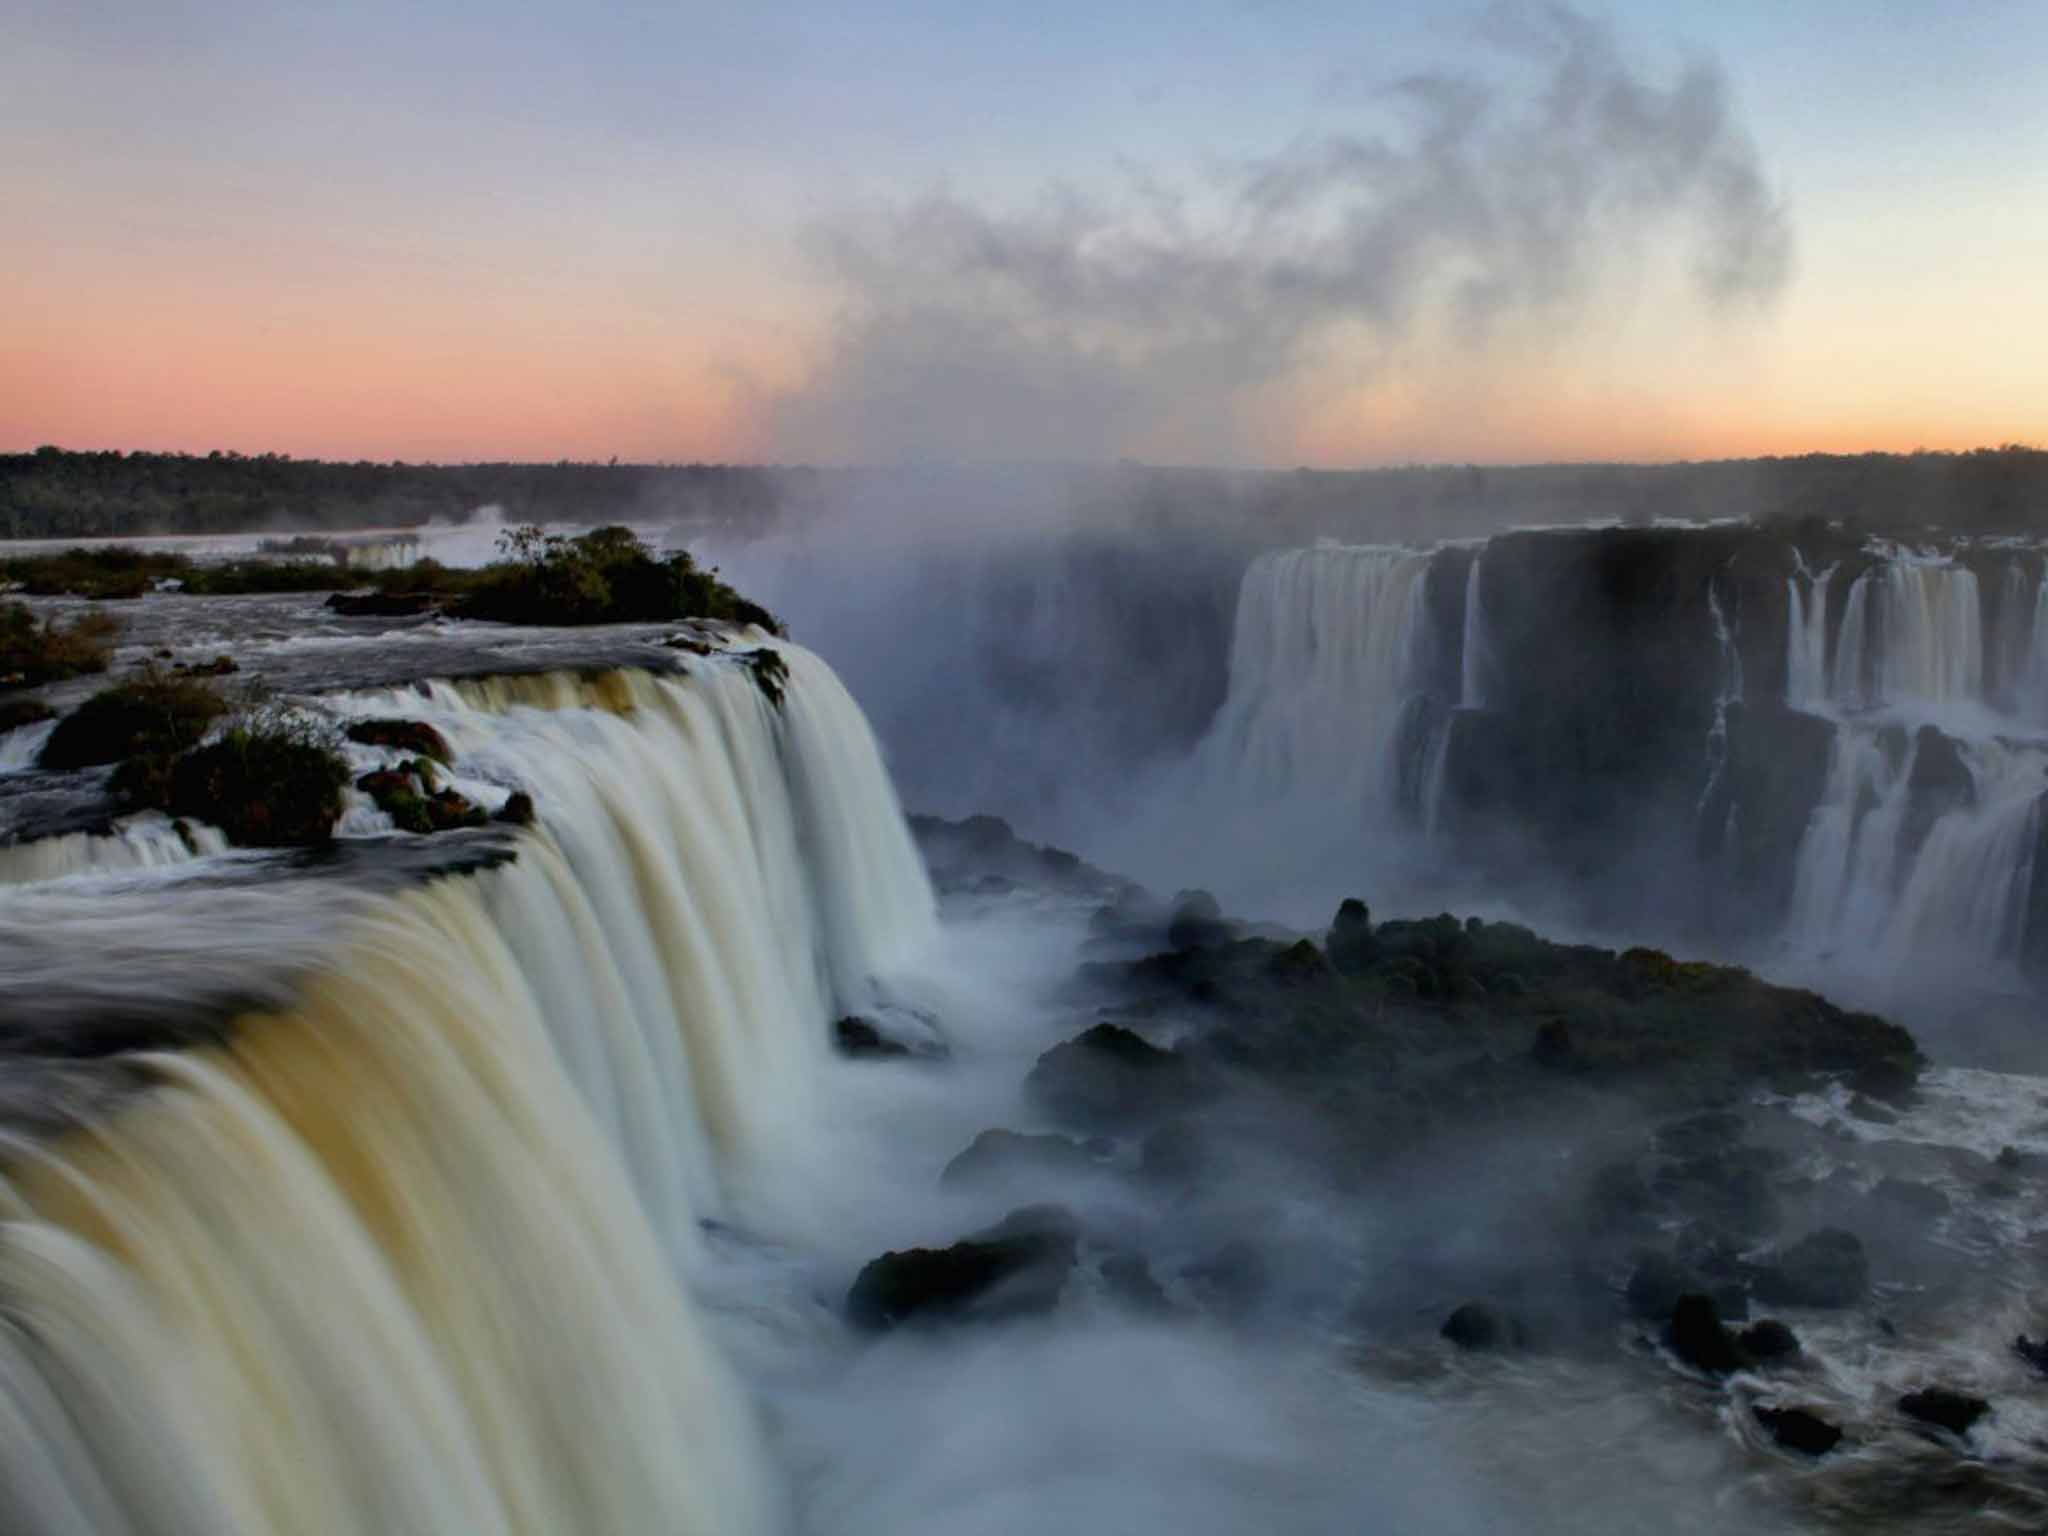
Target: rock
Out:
[1869,1109]
[2008,1158]
[414,737]
[220,666]
[1952,1411]
[1478,1326]
[1128,1278]
[1000,1154]
[1197,921]
[1016,1267]
[1826,1268]
[1109,1074]
[2034,1354]
[1698,1337]
[517,810]
[1797,1429]
[448,811]
[380,605]
[1768,1339]
[1350,943]
[855,1036]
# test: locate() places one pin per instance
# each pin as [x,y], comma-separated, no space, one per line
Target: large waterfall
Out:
[1322,675]
[1931,706]
[412,1253]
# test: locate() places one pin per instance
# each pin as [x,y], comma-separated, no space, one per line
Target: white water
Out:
[148,841]
[1912,650]
[1472,647]
[414,1254]
[1322,665]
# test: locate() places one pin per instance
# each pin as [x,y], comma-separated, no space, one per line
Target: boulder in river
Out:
[999,1154]
[1944,1408]
[1482,1327]
[1016,1267]
[1109,1074]
[1698,1337]
[1799,1429]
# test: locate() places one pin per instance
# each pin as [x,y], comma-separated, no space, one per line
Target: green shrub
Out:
[271,780]
[34,651]
[156,714]
[606,576]
[111,571]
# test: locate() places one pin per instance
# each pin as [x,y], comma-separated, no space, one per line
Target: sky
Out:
[1217,231]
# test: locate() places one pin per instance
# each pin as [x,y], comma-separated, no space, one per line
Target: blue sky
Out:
[454,227]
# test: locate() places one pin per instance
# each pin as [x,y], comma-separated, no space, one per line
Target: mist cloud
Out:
[1171,318]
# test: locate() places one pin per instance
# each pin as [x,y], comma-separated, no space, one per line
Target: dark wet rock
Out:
[1481,1327]
[1017,1267]
[1916,1199]
[1697,1336]
[1826,1268]
[770,673]
[1768,1339]
[1109,1074]
[1892,1078]
[1945,1409]
[1350,943]
[962,854]
[856,1036]
[381,605]
[414,737]
[2035,1354]
[2009,1159]
[1799,1429]
[1129,1279]
[220,666]
[517,811]
[1940,782]
[1000,1154]
[1232,1280]
[1196,921]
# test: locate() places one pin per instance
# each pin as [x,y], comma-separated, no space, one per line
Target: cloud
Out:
[1182,319]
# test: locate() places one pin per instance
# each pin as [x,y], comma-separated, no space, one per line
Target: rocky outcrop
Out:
[1017,1267]
[1944,1408]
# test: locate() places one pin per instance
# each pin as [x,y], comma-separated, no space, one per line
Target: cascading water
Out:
[1871,878]
[1806,639]
[1472,649]
[1322,666]
[410,1253]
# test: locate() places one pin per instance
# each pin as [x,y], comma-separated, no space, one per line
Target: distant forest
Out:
[55,494]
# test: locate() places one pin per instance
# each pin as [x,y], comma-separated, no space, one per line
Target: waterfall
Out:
[1729,692]
[411,1253]
[1847,684]
[2032,705]
[1806,641]
[148,841]
[1472,646]
[1322,662]
[1933,635]
[18,747]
